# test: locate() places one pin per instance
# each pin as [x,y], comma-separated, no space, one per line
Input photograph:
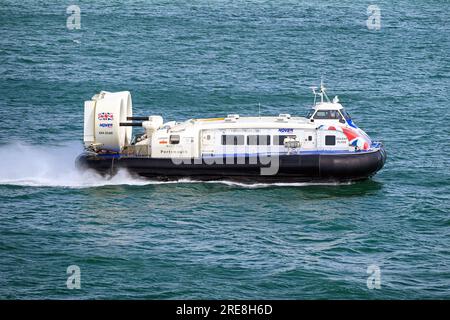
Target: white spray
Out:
[52,166]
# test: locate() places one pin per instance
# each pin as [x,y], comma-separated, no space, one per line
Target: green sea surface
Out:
[137,239]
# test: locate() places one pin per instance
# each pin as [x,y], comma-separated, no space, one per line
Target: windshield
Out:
[310,113]
[327,114]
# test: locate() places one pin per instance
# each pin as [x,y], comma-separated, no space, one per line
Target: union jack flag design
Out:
[355,137]
[105,116]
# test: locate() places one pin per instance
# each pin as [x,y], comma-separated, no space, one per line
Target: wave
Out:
[278,184]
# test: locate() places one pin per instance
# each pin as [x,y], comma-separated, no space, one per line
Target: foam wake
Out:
[52,166]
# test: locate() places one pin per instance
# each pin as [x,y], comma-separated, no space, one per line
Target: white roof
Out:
[244,122]
[328,106]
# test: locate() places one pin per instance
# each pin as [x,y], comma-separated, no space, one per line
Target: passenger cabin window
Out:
[260,140]
[330,140]
[279,140]
[233,140]
[174,139]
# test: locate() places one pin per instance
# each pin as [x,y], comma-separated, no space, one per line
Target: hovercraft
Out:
[324,146]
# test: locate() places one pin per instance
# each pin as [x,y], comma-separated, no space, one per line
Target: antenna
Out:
[313,88]
[323,91]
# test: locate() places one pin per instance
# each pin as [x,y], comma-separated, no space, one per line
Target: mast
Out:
[322,93]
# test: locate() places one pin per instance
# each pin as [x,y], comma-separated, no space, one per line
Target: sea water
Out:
[387,237]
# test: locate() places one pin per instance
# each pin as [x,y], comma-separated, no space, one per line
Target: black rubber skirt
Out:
[309,167]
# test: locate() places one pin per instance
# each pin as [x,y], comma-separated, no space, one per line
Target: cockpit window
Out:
[322,114]
[310,113]
[327,114]
[334,114]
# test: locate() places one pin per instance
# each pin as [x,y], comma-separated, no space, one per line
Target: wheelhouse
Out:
[329,114]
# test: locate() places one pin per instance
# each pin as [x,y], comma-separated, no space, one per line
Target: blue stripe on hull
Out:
[375,148]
